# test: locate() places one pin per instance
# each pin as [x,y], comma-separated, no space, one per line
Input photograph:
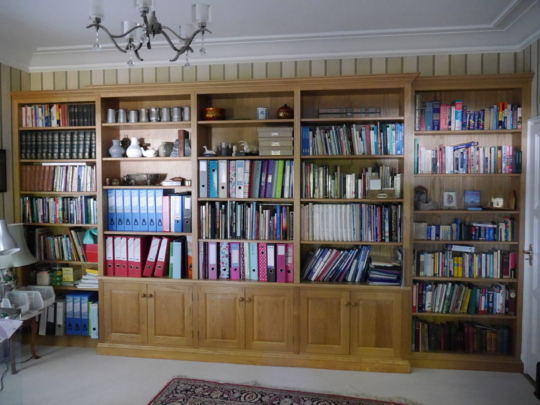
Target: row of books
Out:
[491,231]
[238,220]
[148,210]
[271,262]
[351,222]
[453,298]
[62,177]
[59,210]
[58,115]
[447,263]
[64,247]
[467,158]
[373,139]
[146,256]
[465,337]
[246,178]
[356,112]
[325,181]
[76,314]
[48,145]
[435,116]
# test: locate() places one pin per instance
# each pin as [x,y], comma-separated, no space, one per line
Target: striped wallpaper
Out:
[12,79]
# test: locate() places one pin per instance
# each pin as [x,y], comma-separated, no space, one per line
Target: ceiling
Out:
[51,35]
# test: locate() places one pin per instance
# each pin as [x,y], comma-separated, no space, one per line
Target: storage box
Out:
[91,251]
[71,274]
[46,292]
[19,299]
[276,151]
[280,132]
[272,142]
[381,194]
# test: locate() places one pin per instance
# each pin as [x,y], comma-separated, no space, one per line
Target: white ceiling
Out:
[40,35]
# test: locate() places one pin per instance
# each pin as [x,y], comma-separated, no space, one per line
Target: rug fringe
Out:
[358,394]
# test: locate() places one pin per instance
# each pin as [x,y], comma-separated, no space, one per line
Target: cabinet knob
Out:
[150,295]
[347,303]
[248,299]
[143,295]
[241,299]
[355,304]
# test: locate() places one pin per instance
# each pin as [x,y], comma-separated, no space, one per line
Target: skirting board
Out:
[256,358]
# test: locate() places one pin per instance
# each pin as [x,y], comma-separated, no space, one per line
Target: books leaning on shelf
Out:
[351,222]
[246,178]
[435,116]
[326,181]
[63,177]
[373,139]
[148,256]
[58,115]
[47,246]
[453,298]
[89,280]
[267,262]
[466,158]
[238,220]
[49,145]
[449,263]
[489,231]
[59,210]
[149,210]
[385,270]
[462,336]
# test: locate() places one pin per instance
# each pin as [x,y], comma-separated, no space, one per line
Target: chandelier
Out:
[138,35]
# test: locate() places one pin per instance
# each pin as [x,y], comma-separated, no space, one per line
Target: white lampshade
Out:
[97,9]
[8,245]
[201,13]
[23,256]
[149,4]
[187,30]
[126,26]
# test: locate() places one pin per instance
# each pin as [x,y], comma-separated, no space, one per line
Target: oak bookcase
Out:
[348,326]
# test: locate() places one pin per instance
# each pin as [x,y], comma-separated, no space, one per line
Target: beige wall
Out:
[12,79]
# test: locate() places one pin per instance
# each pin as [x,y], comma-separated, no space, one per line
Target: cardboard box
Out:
[91,251]
[272,142]
[280,132]
[276,151]
[381,194]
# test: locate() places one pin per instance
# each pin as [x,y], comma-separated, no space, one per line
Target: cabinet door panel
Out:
[169,315]
[125,312]
[221,317]
[376,324]
[324,321]
[269,324]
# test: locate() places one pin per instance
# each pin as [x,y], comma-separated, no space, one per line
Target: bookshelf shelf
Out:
[351,157]
[261,200]
[60,162]
[72,288]
[351,120]
[486,316]
[69,262]
[488,132]
[179,188]
[86,128]
[470,212]
[61,225]
[349,200]
[468,175]
[140,233]
[125,126]
[146,159]
[59,193]
[272,122]
[336,242]
[463,242]
[246,240]
[467,279]
[258,157]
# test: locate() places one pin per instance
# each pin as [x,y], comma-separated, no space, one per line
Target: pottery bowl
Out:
[142,179]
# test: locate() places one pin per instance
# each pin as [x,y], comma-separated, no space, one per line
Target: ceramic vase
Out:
[165,149]
[116,149]
[134,150]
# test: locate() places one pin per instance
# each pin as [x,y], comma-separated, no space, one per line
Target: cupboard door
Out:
[170,315]
[376,324]
[125,312]
[221,317]
[269,319]
[324,321]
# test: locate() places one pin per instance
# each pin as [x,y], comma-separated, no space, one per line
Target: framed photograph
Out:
[449,200]
[471,200]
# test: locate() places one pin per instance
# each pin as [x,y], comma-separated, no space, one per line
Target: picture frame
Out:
[471,200]
[449,200]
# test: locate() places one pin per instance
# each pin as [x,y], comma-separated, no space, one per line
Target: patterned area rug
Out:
[183,391]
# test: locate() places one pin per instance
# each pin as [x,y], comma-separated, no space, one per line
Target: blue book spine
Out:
[213,176]
[429,116]
[143,207]
[270,179]
[262,186]
[135,210]
[119,210]
[159,210]
[111,220]
[128,222]
[436,118]
[257,178]
[151,201]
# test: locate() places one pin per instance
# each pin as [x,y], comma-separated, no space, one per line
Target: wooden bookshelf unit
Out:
[301,323]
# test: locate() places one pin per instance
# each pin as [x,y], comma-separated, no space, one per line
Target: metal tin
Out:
[262,113]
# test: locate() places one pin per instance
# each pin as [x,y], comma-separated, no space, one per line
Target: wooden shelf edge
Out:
[471,361]
[462,315]
[464,242]
[470,132]
[474,212]
[65,341]
[466,279]
[141,233]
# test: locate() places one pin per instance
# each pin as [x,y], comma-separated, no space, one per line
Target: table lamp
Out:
[12,240]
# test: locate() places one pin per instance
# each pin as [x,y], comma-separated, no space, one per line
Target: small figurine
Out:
[107,182]
[208,152]
[249,149]
[234,149]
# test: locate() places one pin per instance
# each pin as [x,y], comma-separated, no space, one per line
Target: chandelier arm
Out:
[136,52]
[170,42]
[183,50]
[112,37]
[167,28]
[200,30]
